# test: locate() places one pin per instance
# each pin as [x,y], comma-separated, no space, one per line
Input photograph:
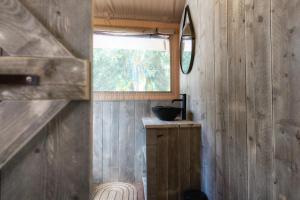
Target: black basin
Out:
[166,113]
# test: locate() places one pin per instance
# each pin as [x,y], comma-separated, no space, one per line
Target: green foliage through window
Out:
[131,64]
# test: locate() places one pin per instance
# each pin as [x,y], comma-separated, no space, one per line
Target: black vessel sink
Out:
[166,113]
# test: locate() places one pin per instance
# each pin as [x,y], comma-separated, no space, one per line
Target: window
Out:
[131,63]
[135,65]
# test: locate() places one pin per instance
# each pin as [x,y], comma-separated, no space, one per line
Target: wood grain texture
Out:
[237,100]
[285,67]
[259,100]
[142,108]
[120,140]
[68,140]
[54,164]
[98,142]
[173,161]
[221,89]
[23,34]
[174,164]
[59,78]
[32,123]
[151,154]
[127,135]
[12,143]
[256,46]
[161,163]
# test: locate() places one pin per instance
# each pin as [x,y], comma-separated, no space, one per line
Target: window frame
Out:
[174,52]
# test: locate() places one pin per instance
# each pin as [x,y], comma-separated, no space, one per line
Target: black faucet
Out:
[183,105]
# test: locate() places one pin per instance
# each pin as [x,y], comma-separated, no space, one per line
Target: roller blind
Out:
[152,10]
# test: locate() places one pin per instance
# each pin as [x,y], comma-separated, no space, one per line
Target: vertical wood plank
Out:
[126,141]
[184,159]
[209,62]
[259,99]
[195,158]
[151,142]
[237,100]
[221,86]
[62,146]
[142,109]
[285,67]
[107,139]
[97,142]
[173,164]
[1,53]
[115,142]
[162,164]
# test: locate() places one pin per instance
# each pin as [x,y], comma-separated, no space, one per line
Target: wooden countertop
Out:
[153,122]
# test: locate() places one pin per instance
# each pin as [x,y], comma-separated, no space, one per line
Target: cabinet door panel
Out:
[173,162]
[162,164]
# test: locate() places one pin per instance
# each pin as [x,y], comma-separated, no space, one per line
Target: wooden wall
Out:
[119,139]
[55,164]
[244,91]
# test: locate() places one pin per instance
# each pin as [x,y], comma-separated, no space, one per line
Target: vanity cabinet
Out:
[172,158]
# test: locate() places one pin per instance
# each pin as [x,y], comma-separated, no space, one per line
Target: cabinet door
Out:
[173,162]
[189,158]
[162,163]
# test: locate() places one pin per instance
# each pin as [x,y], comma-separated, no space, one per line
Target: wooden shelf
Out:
[153,122]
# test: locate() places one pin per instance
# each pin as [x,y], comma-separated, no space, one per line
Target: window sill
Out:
[111,96]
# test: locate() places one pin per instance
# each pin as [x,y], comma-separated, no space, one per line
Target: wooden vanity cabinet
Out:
[172,158]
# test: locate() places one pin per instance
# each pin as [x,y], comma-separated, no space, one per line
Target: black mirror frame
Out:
[187,13]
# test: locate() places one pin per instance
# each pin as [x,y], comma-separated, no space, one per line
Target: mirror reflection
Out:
[187,44]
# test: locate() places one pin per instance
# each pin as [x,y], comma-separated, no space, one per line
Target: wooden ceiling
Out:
[152,10]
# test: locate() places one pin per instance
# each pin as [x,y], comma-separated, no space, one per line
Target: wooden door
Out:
[44,144]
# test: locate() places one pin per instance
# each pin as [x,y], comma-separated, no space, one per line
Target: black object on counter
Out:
[166,113]
[194,195]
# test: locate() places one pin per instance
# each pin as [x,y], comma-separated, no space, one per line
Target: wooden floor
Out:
[118,191]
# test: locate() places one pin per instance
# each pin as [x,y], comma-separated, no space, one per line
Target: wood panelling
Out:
[120,140]
[59,78]
[259,99]
[221,85]
[38,43]
[167,10]
[139,24]
[245,93]
[55,165]
[285,35]
[237,100]
[25,35]
[10,143]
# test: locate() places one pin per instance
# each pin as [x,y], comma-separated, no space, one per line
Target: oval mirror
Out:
[187,42]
